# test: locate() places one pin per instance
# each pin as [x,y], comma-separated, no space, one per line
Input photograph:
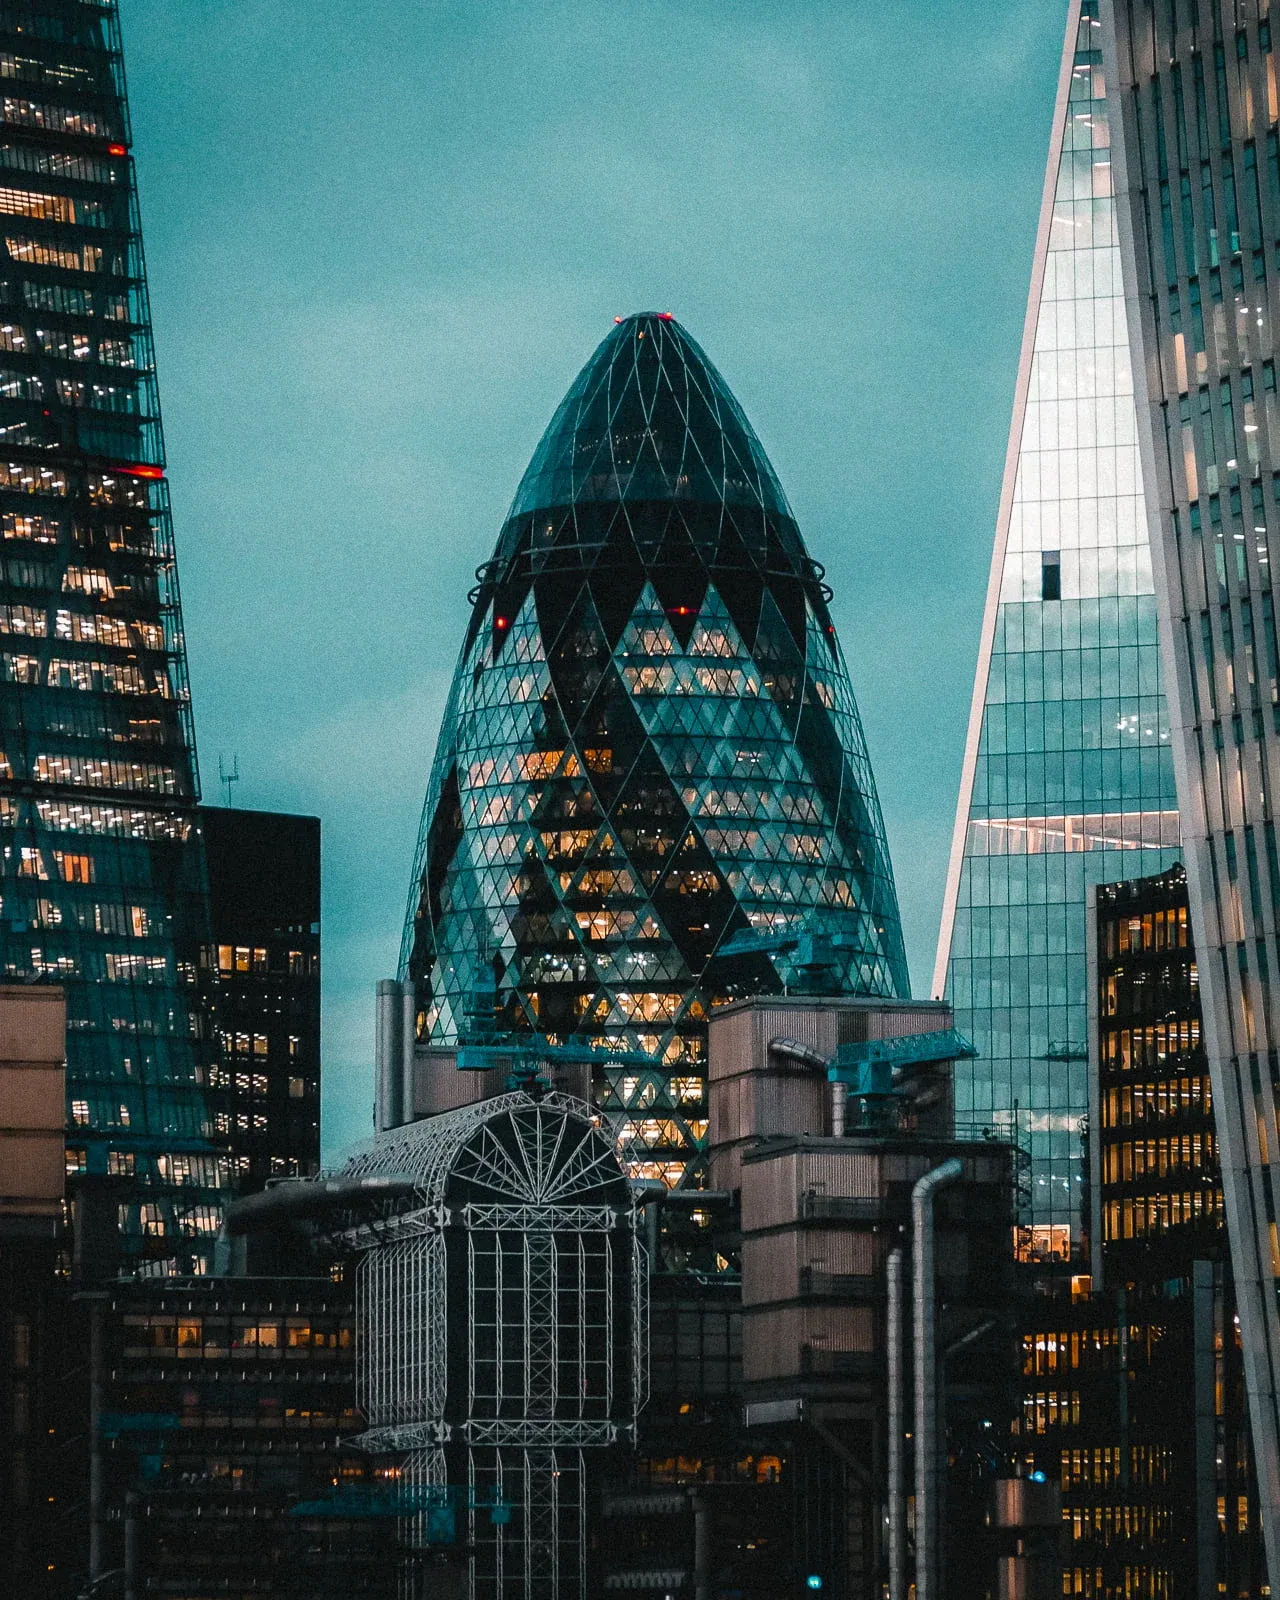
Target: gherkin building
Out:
[650,749]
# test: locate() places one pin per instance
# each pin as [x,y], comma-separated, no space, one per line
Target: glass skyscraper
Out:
[1198,162]
[101,878]
[651,746]
[1068,757]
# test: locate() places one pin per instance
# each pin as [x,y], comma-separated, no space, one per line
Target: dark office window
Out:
[1050,576]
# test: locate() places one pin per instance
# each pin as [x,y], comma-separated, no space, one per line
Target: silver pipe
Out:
[897,1415]
[924,1287]
[222,1254]
[966,1339]
[298,1199]
[388,1051]
[651,1196]
[408,1039]
[793,1050]
[803,1055]
[839,1100]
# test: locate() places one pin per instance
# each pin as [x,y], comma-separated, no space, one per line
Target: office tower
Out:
[101,880]
[1067,760]
[651,749]
[1133,1380]
[226,1408]
[264,894]
[1198,195]
[1170,1461]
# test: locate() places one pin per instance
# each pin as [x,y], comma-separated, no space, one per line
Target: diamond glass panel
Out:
[651,744]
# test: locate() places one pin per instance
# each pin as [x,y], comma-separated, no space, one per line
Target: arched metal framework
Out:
[501,1322]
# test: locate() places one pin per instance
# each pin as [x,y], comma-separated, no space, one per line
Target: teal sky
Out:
[383,237]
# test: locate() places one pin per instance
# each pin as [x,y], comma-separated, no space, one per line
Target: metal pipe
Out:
[408,1039]
[803,1055]
[839,1100]
[222,1253]
[924,1286]
[97,1511]
[388,1052]
[793,1050]
[701,1545]
[966,1339]
[897,1416]
[300,1199]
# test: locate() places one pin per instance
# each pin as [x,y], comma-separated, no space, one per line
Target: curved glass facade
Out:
[651,745]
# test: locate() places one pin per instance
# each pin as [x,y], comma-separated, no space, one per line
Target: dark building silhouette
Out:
[651,747]
[218,1406]
[34,1348]
[762,1456]
[152,1424]
[222,1407]
[101,876]
[264,887]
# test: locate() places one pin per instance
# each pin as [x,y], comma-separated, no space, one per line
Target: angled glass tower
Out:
[651,745]
[101,885]
[1068,757]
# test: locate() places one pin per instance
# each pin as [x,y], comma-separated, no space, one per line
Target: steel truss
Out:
[502,1323]
[539,1556]
[542,1435]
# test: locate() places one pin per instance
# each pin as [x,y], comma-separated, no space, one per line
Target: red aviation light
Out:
[681,611]
[619,319]
[501,622]
[666,316]
[139,470]
[117,149]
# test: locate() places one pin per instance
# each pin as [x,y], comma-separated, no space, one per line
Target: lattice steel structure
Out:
[101,879]
[501,1323]
[651,744]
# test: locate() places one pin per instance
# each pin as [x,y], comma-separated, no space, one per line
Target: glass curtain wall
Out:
[101,878]
[1068,760]
[1198,136]
[651,746]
